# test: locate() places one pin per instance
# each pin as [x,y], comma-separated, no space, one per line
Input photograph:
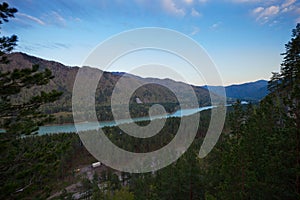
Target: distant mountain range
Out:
[252,91]
[248,91]
[149,93]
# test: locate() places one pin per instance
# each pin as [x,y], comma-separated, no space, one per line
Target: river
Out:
[68,128]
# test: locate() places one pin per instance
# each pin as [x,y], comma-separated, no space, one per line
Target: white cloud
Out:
[195,31]
[272,10]
[31,18]
[288,3]
[273,23]
[263,14]
[195,13]
[171,7]
[258,10]
[215,26]
[246,1]
[188,1]
[284,10]
[288,6]
[77,19]
[58,19]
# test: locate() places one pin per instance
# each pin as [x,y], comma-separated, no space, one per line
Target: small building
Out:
[138,100]
[96,164]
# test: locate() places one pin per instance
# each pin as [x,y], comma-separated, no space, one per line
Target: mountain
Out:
[157,91]
[64,76]
[251,91]
[248,91]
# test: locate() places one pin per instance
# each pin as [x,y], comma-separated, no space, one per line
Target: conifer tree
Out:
[20,118]
[290,72]
[289,89]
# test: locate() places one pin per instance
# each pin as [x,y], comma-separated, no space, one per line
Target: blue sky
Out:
[244,38]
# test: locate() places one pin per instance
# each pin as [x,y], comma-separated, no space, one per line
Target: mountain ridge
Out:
[159,91]
[251,91]
[64,77]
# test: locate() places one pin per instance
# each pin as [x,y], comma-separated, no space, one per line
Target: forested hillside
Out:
[64,78]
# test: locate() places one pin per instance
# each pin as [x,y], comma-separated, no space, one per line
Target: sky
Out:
[244,38]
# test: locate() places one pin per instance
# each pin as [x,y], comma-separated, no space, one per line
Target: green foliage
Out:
[183,179]
[287,98]
[33,166]
[123,194]
[259,158]
[290,67]
[6,43]
[256,160]
[6,12]
[23,117]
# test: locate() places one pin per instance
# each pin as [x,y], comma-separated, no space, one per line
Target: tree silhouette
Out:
[19,118]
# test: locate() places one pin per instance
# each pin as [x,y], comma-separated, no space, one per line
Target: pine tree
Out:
[289,89]
[291,79]
[290,67]
[6,43]
[19,118]
[274,82]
